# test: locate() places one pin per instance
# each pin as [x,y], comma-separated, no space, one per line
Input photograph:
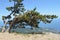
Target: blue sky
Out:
[43,6]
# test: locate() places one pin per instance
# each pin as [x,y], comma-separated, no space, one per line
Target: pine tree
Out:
[31,17]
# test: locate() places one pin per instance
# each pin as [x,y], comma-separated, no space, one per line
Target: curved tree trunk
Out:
[4,27]
[9,29]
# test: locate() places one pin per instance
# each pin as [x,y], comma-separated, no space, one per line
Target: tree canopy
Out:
[22,18]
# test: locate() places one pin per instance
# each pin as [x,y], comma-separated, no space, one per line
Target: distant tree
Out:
[22,19]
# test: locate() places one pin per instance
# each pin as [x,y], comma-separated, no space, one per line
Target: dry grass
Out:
[14,36]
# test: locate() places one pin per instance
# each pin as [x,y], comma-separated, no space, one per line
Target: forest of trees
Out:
[23,17]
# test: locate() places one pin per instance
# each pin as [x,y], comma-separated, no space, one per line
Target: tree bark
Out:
[4,27]
[9,29]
